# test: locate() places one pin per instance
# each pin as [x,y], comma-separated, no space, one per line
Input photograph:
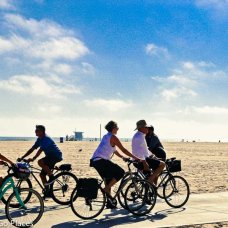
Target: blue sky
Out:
[76,64]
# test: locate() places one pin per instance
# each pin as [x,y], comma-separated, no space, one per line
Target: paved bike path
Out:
[201,208]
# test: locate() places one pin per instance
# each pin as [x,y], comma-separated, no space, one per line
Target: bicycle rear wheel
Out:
[176,191]
[28,214]
[140,197]
[63,187]
[86,208]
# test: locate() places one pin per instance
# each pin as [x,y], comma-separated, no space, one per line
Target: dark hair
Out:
[41,128]
[110,126]
[151,128]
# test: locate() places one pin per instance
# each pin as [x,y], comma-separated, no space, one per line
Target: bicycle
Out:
[89,206]
[61,188]
[174,189]
[27,211]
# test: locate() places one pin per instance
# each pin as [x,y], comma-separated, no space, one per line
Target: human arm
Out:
[36,156]
[3,158]
[27,153]
[115,141]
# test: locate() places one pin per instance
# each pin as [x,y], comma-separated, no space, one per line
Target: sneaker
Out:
[110,204]
[47,194]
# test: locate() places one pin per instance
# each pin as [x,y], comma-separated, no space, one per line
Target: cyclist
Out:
[2,160]
[154,144]
[101,159]
[139,149]
[52,153]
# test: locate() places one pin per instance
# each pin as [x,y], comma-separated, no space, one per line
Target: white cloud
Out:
[45,40]
[50,109]
[109,104]
[214,4]
[218,7]
[52,87]
[87,68]
[6,4]
[180,92]
[187,78]
[154,50]
[211,110]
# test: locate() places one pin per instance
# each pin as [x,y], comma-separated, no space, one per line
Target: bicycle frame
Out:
[124,181]
[7,184]
[37,171]
[163,176]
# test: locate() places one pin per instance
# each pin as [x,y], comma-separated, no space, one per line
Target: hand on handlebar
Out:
[2,163]
[125,159]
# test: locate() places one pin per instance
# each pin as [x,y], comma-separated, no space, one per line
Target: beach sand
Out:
[204,165]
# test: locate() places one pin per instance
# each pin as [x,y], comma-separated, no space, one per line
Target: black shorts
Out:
[108,170]
[152,162]
[50,162]
[159,152]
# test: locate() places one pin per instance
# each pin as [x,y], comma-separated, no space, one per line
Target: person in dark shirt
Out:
[52,153]
[155,145]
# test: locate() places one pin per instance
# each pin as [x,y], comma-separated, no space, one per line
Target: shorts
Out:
[159,152]
[50,162]
[152,162]
[108,170]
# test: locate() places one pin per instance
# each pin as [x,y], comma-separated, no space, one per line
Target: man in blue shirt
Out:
[52,153]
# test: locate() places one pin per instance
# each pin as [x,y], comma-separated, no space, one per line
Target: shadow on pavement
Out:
[123,217]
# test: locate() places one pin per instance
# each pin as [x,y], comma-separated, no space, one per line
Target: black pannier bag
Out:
[87,188]
[65,167]
[174,166]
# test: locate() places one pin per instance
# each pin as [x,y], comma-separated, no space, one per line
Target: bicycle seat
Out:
[65,167]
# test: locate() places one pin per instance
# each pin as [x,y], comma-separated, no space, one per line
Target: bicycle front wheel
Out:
[176,191]
[19,184]
[63,186]
[27,214]
[86,208]
[140,197]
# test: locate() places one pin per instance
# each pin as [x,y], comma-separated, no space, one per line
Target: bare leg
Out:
[43,178]
[109,186]
[154,177]
[44,167]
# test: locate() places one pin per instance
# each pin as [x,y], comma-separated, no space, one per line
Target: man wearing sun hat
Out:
[140,150]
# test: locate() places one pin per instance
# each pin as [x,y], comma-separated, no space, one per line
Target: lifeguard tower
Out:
[78,135]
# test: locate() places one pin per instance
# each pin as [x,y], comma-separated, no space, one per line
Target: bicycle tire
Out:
[29,185]
[36,220]
[149,198]
[170,197]
[53,191]
[74,198]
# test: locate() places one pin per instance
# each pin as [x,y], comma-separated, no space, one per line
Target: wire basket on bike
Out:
[174,166]
[22,171]
[87,188]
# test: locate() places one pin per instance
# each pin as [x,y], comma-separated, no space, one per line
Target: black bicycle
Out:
[138,196]
[174,189]
[60,190]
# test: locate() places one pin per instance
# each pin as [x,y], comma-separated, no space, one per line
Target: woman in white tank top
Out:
[101,159]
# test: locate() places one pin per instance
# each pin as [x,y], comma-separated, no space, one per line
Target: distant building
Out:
[78,136]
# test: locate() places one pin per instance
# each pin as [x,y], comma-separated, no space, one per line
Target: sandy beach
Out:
[204,165]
